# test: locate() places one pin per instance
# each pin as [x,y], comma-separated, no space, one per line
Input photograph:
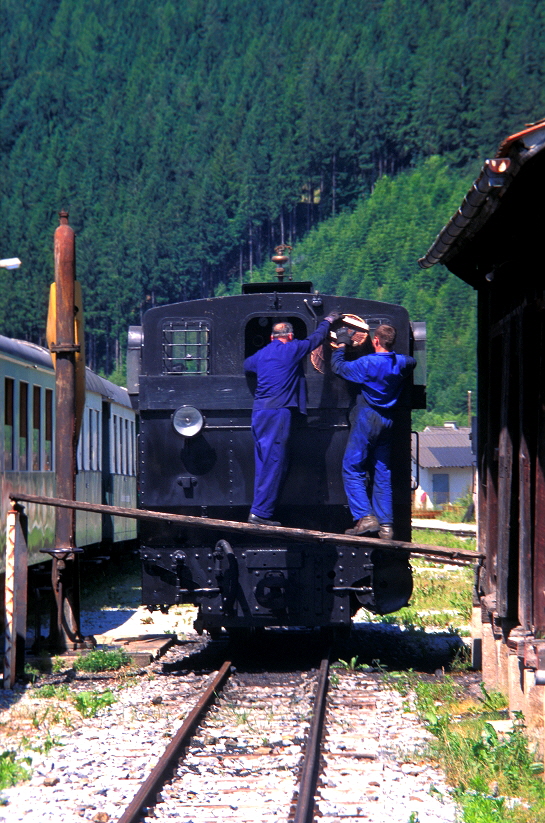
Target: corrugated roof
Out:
[446,457]
[445,447]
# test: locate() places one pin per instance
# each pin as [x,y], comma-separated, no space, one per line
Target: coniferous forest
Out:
[187,139]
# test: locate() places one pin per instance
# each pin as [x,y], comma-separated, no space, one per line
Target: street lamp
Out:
[10,263]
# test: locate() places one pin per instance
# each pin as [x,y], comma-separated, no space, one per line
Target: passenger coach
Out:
[106,470]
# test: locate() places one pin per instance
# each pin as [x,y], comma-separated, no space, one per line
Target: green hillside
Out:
[187,139]
[371,251]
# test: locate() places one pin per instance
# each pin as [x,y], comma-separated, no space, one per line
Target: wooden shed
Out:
[493,242]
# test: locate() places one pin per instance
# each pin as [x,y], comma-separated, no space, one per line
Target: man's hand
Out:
[333,316]
[344,336]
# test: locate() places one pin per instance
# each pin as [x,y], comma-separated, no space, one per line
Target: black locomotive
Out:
[186,378]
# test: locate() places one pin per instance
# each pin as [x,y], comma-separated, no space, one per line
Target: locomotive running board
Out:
[432,553]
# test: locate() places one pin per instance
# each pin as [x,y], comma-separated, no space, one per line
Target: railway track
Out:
[239,744]
[264,734]
[294,746]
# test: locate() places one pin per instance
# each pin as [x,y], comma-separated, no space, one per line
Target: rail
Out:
[304,811]
[437,553]
[168,762]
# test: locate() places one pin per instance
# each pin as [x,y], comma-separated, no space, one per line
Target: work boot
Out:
[386,531]
[260,521]
[365,525]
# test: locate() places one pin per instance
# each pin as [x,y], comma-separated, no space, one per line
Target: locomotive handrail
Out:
[437,553]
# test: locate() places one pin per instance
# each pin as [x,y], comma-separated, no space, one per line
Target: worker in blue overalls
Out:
[281,388]
[381,376]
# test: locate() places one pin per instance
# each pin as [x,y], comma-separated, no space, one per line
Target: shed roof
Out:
[507,179]
[441,447]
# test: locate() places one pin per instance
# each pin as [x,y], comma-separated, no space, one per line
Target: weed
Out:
[461,661]
[57,665]
[495,776]
[334,680]
[462,602]
[50,691]
[45,746]
[449,541]
[89,703]
[101,660]
[241,717]
[351,665]
[493,701]
[31,673]
[13,770]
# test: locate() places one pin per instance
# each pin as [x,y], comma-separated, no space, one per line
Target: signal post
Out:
[67,355]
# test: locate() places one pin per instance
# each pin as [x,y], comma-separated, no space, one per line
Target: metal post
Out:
[65,575]
[15,594]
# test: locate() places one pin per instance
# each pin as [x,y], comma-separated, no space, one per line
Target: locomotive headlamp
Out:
[188,421]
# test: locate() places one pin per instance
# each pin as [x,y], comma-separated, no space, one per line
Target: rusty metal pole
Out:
[65,576]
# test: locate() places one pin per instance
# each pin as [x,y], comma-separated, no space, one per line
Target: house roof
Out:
[494,234]
[441,447]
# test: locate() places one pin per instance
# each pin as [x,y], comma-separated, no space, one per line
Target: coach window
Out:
[36,428]
[123,443]
[81,445]
[90,440]
[127,445]
[8,423]
[48,440]
[115,455]
[97,443]
[23,427]
[131,448]
[186,347]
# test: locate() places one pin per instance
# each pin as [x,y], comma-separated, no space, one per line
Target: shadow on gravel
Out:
[384,646]
[397,649]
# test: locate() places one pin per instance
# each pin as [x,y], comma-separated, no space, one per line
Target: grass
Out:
[351,665]
[497,777]
[100,660]
[13,769]
[89,703]
[442,598]
[434,537]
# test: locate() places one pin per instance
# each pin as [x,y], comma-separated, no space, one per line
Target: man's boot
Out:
[365,525]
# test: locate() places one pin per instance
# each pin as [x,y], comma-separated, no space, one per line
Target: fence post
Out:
[15,594]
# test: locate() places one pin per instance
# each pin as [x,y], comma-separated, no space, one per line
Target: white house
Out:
[446,465]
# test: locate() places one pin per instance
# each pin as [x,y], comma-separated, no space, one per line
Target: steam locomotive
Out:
[196,457]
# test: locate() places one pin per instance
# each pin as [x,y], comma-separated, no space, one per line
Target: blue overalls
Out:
[381,376]
[281,387]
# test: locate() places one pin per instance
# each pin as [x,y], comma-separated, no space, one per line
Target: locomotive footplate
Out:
[276,585]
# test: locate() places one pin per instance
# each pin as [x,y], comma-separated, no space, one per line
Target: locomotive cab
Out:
[196,457]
